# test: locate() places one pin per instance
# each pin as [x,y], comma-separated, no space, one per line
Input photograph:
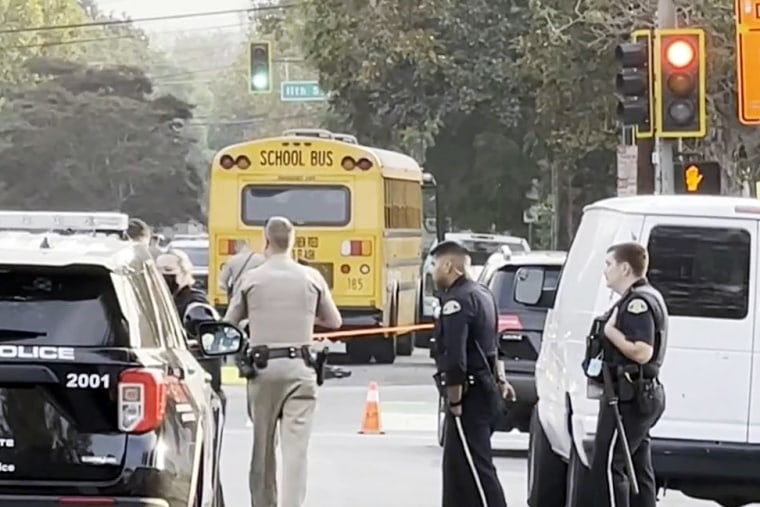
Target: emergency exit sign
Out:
[301,91]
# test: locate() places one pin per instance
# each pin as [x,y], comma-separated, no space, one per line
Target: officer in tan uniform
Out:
[282,300]
[243,260]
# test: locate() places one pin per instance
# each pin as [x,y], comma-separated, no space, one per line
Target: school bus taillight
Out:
[243,162]
[349,164]
[227,246]
[356,248]
[227,162]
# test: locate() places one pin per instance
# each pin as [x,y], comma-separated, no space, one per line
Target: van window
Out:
[63,307]
[701,271]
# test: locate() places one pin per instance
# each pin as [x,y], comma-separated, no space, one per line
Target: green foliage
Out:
[94,137]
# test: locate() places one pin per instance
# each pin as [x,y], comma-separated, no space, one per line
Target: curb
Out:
[230,376]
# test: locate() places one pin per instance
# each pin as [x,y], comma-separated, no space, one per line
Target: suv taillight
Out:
[142,400]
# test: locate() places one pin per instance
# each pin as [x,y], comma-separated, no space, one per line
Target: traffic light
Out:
[634,83]
[699,177]
[680,82]
[260,70]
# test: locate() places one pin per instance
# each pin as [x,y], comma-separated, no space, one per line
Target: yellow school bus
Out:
[358,217]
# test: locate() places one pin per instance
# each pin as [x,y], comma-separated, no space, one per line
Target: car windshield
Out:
[502,285]
[60,307]
[480,251]
[198,255]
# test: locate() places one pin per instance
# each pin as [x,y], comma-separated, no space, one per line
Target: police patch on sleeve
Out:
[637,306]
[451,307]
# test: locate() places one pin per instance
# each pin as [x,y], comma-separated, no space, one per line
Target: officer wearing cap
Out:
[282,300]
[472,380]
[192,306]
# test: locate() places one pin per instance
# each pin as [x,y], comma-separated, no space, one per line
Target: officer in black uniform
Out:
[468,375]
[634,343]
[193,308]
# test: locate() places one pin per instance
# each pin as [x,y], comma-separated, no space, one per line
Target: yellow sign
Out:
[748,60]
[296,158]
[693,178]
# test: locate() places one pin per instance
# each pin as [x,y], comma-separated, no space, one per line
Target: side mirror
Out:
[529,285]
[220,338]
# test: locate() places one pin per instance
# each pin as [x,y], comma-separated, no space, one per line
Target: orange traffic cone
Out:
[371,424]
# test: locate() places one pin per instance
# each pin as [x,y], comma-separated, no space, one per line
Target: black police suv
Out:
[101,400]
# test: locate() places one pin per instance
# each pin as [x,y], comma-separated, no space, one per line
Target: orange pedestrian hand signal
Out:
[698,177]
[693,178]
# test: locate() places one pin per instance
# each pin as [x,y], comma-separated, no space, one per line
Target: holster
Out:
[246,366]
[316,361]
[260,356]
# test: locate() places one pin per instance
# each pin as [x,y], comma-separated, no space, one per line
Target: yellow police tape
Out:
[230,373]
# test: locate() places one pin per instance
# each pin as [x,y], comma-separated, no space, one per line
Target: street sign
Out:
[301,91]
[748,61]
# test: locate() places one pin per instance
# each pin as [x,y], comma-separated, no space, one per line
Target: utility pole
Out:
[662,156]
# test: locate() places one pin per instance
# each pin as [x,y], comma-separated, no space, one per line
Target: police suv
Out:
[102,402]
[704,260]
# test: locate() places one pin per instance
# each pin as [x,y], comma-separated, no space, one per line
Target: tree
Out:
[438,80]
[93,137]
[237,114]
[16,46]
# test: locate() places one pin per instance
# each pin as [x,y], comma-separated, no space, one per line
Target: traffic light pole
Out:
[662,157]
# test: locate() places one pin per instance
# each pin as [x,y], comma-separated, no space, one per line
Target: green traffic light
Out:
[260,81]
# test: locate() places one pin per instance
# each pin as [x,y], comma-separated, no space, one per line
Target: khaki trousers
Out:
[285,394]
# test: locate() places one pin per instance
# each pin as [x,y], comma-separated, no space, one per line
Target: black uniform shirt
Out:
[635,320]
[468,316]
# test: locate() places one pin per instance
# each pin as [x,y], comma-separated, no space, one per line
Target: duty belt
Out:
[287,352]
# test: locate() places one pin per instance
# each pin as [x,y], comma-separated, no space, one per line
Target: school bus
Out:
[358,217]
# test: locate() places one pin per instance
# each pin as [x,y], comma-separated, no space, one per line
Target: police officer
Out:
[282,301]
[634,348]
[466,355]
[138,230]
[243,260]
[192,306]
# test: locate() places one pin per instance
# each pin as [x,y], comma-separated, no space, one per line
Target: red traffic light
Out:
[680,54]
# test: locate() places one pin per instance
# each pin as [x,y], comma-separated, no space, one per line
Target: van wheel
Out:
[576,488]
[359,349]
[441,419]
[547,472]
[385,349]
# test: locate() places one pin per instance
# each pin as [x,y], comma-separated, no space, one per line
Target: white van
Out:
[704,259]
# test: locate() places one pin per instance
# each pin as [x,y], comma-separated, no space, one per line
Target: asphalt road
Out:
[399,468]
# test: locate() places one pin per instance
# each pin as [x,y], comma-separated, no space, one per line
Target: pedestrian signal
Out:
[634,83]
[699,177]
[680,83]
[260,70]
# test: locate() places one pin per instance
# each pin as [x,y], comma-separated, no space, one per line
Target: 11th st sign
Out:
[301,91]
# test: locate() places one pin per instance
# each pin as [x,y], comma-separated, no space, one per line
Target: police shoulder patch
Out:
[451,307]
[637,306]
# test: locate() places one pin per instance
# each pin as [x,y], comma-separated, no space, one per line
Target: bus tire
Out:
[385,349]
[359,350]
[404,343]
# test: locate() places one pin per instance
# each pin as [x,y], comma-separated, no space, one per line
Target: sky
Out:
[154,8]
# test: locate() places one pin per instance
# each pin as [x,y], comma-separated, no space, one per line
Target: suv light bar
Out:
[63,221]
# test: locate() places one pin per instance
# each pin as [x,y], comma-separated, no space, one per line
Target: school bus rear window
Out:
[318,205]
